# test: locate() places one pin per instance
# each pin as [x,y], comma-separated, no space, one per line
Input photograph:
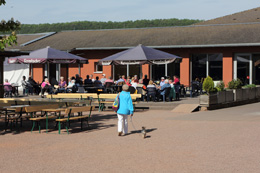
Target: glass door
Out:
[243,68]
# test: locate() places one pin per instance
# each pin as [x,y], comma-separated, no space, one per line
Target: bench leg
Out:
[67,127]
[59,127]
[33,126]
[39,125]
[46,122]
[81,123]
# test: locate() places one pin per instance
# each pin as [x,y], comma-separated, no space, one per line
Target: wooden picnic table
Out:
[15,109]
[58,110]
[101,98]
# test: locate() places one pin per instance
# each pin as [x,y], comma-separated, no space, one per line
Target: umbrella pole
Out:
[127,69]
[166,70]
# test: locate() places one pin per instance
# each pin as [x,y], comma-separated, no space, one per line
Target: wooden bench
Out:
[101,98]
[14,116]
[34,117]
[81,117]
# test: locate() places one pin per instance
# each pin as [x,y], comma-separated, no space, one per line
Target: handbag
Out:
[115,105]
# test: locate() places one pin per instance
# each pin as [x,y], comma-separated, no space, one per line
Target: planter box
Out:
[229,96]
[257,91]
[238,94]
[252,93]
[245,93]
[209,99]
[221,97]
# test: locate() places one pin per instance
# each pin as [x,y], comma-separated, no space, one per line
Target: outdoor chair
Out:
[131,89]
[140,91]
[8,91]
[109,87]
[81,89]
[151,92]
[167,94]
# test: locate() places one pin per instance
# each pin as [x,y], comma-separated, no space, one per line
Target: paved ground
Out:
[224,140]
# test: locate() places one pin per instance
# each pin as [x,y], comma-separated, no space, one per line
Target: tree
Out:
[10,26]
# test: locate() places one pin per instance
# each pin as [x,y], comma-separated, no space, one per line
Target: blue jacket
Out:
[164,87]
[125,104]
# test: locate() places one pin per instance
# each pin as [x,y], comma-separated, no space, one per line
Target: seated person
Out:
[120,80]
[134,84]
[6,83]
[34,84]
[97,82]
[7,88]
[144,89]
[128,82]
[46,86]
[70,87]
[103,79]
[166,85]
[78,81]
[109,80]
[151,91]
[88,81]
[26,86]
[61,86]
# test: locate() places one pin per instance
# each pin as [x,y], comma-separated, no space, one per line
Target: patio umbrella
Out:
[139,55]
[49,55]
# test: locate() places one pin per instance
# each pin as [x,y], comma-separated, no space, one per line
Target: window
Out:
[215,66]
[199,66]
[98,68]
[204,65]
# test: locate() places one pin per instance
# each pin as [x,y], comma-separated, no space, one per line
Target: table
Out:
[13,109]
[15,91]
[93,89]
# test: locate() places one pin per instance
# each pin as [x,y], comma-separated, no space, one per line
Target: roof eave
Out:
[176,46]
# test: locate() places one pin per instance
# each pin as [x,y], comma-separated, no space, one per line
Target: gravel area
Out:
[225,140]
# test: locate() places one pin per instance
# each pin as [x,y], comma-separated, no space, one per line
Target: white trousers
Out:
[122,123]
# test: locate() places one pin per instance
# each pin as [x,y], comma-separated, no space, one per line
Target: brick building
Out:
[225,48]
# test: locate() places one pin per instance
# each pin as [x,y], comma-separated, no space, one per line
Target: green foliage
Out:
[235,84]
[9,26]
[2,2]
[249,86]
[93,25]
[208,85]
[220,86]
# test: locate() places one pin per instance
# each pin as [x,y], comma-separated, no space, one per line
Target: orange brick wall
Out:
[73,70]
[95,55]
[38,72]
[227,68]
[146,70]
[185,71]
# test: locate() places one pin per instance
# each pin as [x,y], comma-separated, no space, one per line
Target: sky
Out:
[57,11]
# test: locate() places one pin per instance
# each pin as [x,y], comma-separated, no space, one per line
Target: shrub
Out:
[249,86]
[235,84]
[208,85]
[220,86]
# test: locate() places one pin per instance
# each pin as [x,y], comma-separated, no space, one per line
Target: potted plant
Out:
[235,85]
[210,97]
[221,92]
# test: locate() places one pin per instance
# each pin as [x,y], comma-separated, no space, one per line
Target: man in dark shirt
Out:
[145,80]
[88,81]
[35,85]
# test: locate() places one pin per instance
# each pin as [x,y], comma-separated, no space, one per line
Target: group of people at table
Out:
[149,87]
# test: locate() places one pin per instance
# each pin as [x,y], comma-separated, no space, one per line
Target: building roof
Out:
[248,16]
[188,36]
[24,39]
[239,29]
